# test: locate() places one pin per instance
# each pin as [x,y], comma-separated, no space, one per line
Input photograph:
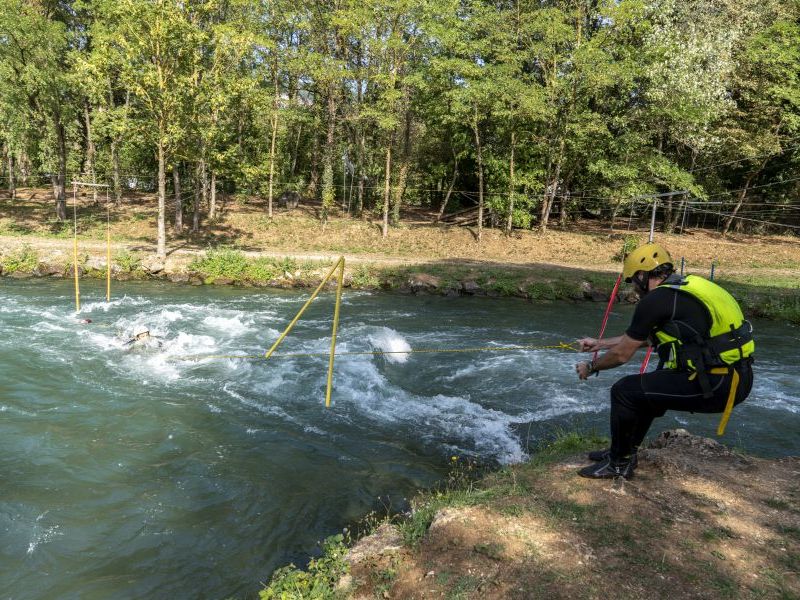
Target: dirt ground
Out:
[298,233]
[697,521]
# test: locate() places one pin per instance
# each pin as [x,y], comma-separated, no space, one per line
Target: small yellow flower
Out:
[454,458]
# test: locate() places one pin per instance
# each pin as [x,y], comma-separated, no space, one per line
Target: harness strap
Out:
[726,414]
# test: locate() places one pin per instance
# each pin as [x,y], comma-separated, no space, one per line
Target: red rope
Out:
[611,301]
[646,360]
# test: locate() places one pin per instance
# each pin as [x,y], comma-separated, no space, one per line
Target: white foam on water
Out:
[388,340]
[41,535]
[104,306]
[231,325]
[439,420]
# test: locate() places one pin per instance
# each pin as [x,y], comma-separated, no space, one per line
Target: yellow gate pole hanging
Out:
[340,267]
[75,247]
[108,248]
[302,310]
[329,386]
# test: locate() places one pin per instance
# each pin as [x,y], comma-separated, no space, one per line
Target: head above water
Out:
[647,261]
[141,333]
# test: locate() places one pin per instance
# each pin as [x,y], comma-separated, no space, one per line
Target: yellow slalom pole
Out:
[333,333]
[302,310]
[75,248]
[108,249]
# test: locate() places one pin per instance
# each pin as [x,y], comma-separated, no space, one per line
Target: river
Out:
[134,474]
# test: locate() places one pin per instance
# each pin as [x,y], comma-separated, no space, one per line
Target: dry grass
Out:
[695,523]
[416,239]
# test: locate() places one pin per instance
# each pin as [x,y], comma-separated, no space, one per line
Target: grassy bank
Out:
[689,525]
[760,295]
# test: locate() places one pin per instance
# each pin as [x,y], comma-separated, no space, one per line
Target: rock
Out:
[49,269]
[386,539]
[591,293]
[95,264]
[629,296]
[423,283]
[20,275]
[222,281]
[178,277]
[70,271]
[152,265]
[471,288]
[195,280]
[680,451]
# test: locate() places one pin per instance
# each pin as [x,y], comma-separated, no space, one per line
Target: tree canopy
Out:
[524,109]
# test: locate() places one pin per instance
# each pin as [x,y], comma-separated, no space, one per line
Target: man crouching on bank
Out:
[705,349]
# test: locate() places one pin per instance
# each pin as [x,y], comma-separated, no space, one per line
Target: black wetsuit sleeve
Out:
[654,309]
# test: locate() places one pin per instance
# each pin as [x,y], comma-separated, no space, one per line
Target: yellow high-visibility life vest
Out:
[729,339]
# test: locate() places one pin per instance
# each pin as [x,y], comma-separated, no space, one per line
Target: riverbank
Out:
[761,292]
[698,520]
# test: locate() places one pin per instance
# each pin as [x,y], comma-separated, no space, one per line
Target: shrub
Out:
[318,582]
[223,262]
[630,244]
[23,259]
[364,278]
[128,261]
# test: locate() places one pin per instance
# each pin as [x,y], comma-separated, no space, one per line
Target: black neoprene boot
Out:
[610,469]
[602,455]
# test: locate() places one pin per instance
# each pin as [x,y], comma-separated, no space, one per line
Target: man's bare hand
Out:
[582,369]
[589,344]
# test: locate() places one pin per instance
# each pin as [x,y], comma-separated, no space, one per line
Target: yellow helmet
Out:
[645,258]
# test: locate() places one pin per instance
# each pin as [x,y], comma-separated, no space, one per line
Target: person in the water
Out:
[143,339]
[705,349]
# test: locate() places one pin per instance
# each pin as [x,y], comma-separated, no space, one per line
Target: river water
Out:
[132,474]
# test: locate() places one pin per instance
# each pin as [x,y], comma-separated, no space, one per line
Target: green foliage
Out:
[24,259]
[630,244]
[234,265]
[363,277]
[315,583]
[128,261]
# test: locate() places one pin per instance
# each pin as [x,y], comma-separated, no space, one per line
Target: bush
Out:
[318,582]
[128,261]
[364,278]
[224,262]
[630,244]
[24,259]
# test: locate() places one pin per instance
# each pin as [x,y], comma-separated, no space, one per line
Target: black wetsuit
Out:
[638,399]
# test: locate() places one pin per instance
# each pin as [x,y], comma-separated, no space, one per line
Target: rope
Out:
[559,346]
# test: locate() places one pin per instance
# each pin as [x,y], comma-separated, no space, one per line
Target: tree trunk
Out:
[212,203]
[328,191]
[176,186]
[742,196]
[115,176]
[59,178]
[196,200]
[12,185]
[402,176]
[510,219]
[203,183]
[360,171]
[386,189]
[161,248]
[90,149]
[478,148]
[449,189]
[272,160]
[550,195]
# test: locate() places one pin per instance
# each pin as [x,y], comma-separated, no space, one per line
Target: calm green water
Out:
[132,475]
